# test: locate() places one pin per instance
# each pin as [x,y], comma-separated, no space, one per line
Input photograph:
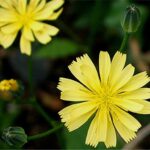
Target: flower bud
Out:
[14,136]
[131,19]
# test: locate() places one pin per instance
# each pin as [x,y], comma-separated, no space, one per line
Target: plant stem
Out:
[124,42]
[42,112]
[33,99]
[44,134]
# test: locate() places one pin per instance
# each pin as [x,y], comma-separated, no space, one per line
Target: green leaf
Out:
[58,48]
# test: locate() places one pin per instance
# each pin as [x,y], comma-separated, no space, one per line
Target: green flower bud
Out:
[14,136]
[131,19]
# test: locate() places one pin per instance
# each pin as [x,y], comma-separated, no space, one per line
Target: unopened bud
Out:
[131,19]
[14,136]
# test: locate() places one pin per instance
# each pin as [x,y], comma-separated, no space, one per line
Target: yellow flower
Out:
[108,96]
[27,17]
[9,85]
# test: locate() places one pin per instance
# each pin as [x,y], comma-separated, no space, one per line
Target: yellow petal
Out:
[37,26]
[40,6]
[92,137]
[8,16]
[51,30]
[126,119]
[47,12]
[124,132]
[42,36]
[98,129]
[3,4]
[117,65]
[7,39]
[125,76]
[103,118]
[77,114]
[128,104]
[136,82]
[74,91]
[2,24]
[141,93]
[74,124]
[76,96]
[104,66]
[22,6]
[27,33]
[11,28]
[75,110]
[111,134]
[146,108]
[84,70]
[55,4]
[71,85]
[7,3]
[33,4]
[25,46]
[44,13]
[55,15]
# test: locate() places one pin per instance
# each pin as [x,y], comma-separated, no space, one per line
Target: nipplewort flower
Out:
[108,96]
[9,85]
[8,88]
[27,17]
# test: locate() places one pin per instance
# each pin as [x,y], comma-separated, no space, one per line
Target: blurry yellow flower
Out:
[108,97]
[28,16]
[9,85]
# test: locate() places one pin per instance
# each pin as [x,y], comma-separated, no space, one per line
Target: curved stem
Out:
[44,134]
[33,99]
[42,112]
[124,42]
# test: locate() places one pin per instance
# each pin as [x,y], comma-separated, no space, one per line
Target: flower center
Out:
[25,19]
[106,96]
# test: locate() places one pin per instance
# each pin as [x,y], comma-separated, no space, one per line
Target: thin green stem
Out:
[38,107]
[42,112]
[33,99]
[44,134]
[124,42]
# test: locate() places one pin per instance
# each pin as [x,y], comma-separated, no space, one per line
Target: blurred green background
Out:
[86,26]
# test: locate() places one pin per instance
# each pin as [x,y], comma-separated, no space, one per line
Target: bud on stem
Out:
[131,19]
[14,136]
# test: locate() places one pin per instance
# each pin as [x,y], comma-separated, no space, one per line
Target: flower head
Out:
[108,96]
[9,85]
[7,88]
[27,17]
